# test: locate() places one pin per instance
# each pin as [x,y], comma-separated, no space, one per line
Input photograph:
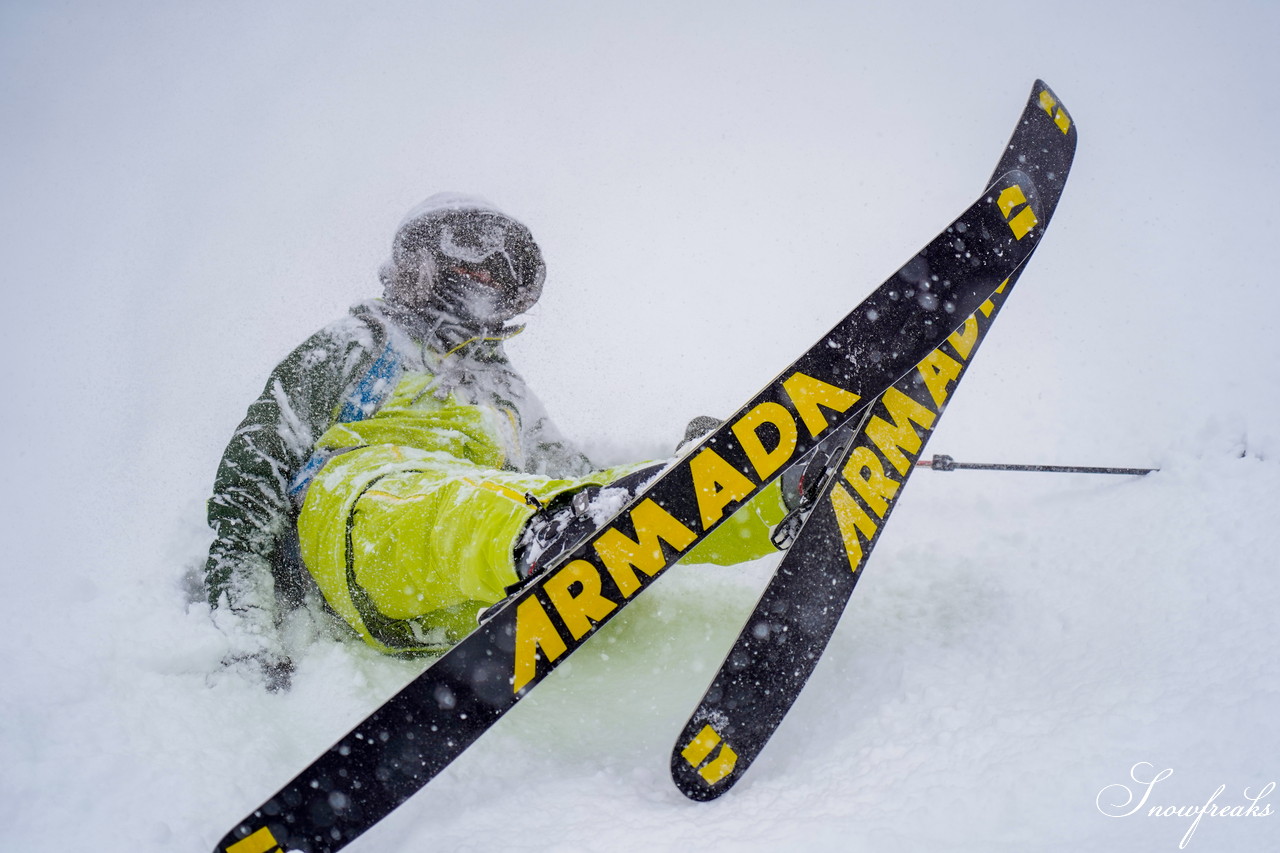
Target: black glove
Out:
[697,429]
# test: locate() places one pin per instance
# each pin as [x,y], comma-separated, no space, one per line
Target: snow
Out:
[191,189]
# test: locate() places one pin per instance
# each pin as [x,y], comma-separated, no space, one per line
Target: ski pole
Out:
[942,462]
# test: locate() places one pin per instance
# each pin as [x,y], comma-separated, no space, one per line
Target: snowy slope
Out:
[189,190]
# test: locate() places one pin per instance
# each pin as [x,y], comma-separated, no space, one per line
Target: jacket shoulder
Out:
[340,344]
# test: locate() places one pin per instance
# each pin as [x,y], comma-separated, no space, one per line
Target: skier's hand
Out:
[254,646]
[274,670]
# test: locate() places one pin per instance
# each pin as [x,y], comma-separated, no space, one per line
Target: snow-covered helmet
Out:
[460,255]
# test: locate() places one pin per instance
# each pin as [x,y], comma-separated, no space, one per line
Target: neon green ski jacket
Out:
[390,462]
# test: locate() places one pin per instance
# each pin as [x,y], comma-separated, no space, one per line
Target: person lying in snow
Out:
[397,464]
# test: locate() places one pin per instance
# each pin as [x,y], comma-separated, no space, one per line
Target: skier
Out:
[397,464]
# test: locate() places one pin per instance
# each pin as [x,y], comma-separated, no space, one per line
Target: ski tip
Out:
[1047,100]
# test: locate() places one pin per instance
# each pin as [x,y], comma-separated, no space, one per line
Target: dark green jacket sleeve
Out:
[250,512]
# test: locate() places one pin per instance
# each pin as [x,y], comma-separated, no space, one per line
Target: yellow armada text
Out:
[577,592]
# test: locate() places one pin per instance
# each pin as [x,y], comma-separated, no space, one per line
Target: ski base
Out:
[792,623]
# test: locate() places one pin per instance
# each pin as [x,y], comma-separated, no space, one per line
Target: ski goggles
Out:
[487,247]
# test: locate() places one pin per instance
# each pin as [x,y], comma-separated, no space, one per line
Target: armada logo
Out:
[261,841]
[569,603]
[583,593]
[1054,110]
[710,755]
[1010,199]
[895,434]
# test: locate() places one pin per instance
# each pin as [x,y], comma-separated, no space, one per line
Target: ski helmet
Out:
[459,255]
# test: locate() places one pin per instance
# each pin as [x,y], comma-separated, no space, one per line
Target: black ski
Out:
[414,735]
[792,623]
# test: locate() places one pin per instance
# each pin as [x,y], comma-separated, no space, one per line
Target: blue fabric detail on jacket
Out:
[377,383]
[363,401]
